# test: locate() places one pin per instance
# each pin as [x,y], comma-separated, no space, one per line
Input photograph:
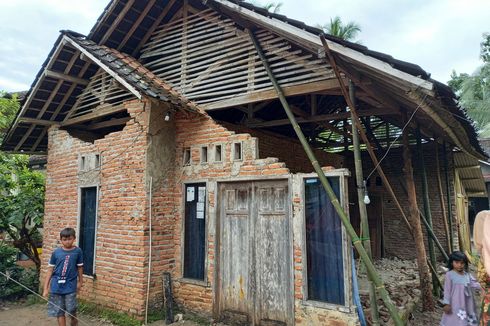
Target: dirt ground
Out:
[23,315]
[36,314]
[27,315]
[427,318]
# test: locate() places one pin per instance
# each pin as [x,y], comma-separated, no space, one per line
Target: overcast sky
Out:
[438,35]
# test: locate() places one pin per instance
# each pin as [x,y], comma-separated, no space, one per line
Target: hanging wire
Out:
[43,298]
[397,137]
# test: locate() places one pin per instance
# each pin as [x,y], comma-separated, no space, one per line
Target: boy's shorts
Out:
[59,303]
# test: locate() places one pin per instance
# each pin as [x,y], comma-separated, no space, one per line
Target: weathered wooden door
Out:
[255,253]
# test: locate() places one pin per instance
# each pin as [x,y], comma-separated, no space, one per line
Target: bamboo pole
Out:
[448,197]
[414,226]
[441,199]
[333,198]
[361,192]
[425,287]
[427,211]
[364,138]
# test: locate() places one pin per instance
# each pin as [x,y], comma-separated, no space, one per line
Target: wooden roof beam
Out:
[108,123]
[322,117]
[271,94]
[96,114]
[64,77]
[38,121]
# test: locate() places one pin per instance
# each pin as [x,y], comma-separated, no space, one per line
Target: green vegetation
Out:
[474,90]
[21,191]
[337,28]
[115,317]
[27,276]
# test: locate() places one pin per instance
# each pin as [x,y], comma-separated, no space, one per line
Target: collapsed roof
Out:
[113,48]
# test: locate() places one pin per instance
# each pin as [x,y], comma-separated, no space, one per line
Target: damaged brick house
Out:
[164,115]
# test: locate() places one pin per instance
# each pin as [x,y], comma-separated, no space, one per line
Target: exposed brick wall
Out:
[149,148]
[120,245]
[397,239]
[288,150]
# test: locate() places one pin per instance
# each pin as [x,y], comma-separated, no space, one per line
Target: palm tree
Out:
[273,7]
[336,28]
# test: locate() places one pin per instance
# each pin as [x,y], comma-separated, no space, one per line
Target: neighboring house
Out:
[164,116]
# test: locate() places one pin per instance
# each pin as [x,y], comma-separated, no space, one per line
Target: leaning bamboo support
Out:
[426,204]
[441,200]
[364,138]
[448,196]
[333,198]
[361,192]
[414,226]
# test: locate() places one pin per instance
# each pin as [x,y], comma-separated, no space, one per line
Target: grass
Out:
[115,317]
[34,299]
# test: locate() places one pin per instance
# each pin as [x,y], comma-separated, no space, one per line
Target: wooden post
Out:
[448,197]
[361,192]
[422,263]
[168,298]
[356,241]
[364,138]
[425,286]
[441,200]
[427,211]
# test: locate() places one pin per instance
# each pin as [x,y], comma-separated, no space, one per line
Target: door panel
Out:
[235,252]
[256,253]
[273,256]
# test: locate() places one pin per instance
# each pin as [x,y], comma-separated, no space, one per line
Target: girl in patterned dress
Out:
[459,302]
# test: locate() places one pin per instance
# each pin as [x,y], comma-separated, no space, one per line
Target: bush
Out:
[28,277]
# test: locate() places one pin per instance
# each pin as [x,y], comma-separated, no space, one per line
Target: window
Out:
[187,156]
[87,228]
[97,161]
[204,154]
[218,153]
[237,151]
[324,250]
[83,163]
[194,231]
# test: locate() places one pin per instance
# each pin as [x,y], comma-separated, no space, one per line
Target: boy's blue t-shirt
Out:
[65,271]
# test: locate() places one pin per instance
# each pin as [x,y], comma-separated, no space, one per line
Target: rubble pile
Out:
[401,280]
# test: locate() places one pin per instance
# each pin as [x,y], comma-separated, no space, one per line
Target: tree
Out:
[272,6]
[337,28]
[474,90]
[21,192]
[8,108]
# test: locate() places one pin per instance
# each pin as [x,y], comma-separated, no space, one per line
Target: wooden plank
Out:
[155,24]
[64,77]
[24,138]
[271,94]
[313,42]
[39,139]
[116,22]
[321,117]
[174,27]
[108,123]
[137,23]
[37,121]
[98,113]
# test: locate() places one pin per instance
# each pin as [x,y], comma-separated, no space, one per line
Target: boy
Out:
[65,265]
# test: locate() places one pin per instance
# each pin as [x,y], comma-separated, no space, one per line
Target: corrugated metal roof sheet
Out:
[470,174]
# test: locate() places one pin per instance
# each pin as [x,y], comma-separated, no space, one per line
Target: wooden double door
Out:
[255,262]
